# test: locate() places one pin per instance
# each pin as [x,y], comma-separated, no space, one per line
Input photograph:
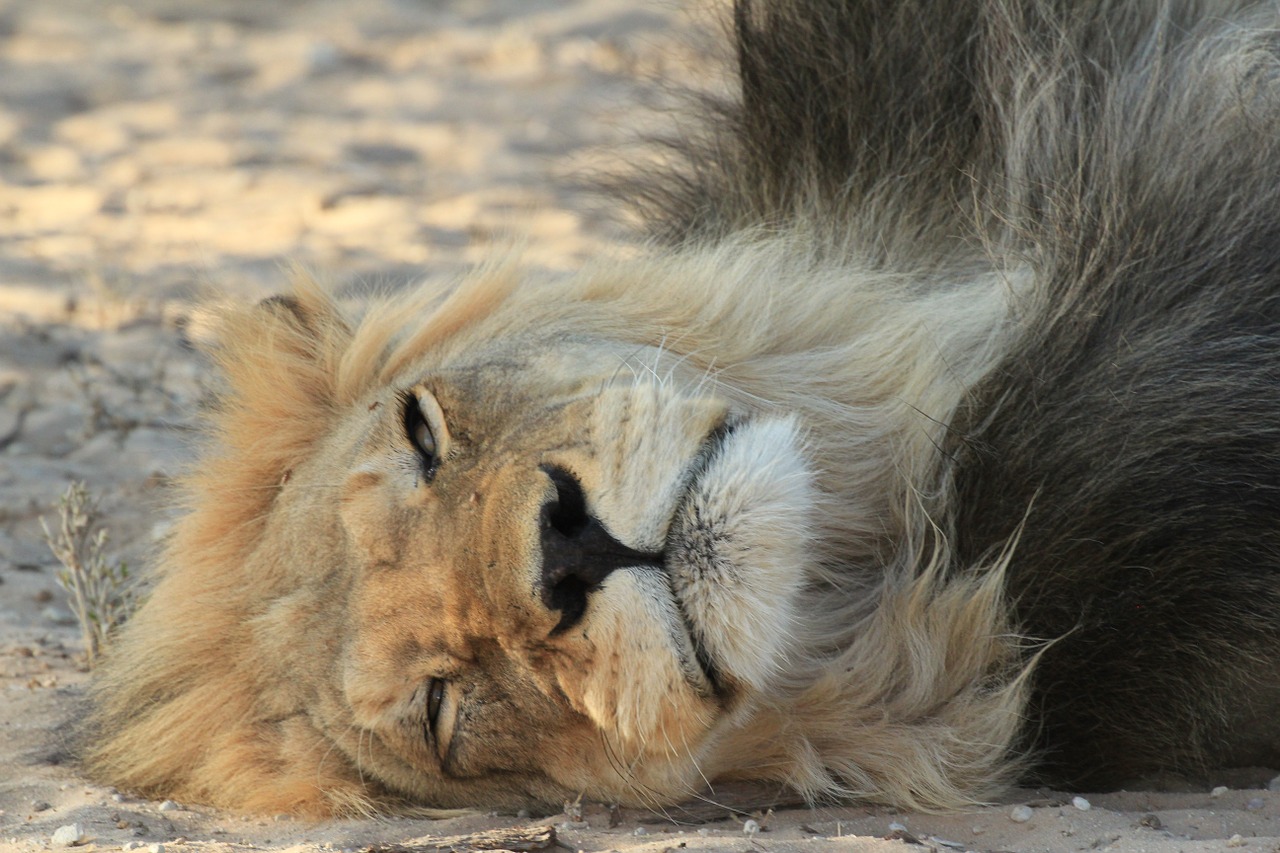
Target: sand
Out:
[156,152]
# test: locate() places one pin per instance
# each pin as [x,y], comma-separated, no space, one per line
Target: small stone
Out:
[1020,814]
[169,806]
[751,827]
[640,830]
[524,814]
[155,848]
[1081,803]
[281,818]
[58,616]
[1236,840]
[704,832]
[68,836]
[117,798]
[1219,791]
[40,806]
[1274,784]
[897,827]
[1255,804]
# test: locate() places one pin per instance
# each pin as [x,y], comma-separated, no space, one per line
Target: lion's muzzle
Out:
[578,553]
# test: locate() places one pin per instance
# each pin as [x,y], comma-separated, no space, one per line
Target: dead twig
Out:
[518,839]
[100,593]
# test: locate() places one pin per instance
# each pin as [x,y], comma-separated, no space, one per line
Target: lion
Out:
[929,448]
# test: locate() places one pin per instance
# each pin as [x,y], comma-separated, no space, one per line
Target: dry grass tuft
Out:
[101,593]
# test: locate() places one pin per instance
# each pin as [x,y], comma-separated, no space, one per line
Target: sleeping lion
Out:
[933,446]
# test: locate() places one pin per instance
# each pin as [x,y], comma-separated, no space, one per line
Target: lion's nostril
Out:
[567,514]
[578,553]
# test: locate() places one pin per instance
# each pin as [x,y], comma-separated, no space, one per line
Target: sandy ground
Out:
[157,150]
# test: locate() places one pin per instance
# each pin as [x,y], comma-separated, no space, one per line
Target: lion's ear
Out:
[280,362]
[288,304]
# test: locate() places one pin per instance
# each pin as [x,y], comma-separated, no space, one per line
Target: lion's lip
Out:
[702,670]
[706,678]
[707,453]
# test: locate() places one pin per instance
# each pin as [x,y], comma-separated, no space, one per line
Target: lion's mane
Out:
[1014,266]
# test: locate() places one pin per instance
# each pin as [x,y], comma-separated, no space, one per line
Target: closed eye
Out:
[440,715]
[418,411]
[435,697]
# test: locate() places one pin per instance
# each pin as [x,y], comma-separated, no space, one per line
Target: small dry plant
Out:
[101,594]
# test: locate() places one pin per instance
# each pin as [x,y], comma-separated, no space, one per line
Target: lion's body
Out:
[934,444]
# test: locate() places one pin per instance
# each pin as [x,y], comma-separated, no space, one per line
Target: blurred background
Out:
[149,146]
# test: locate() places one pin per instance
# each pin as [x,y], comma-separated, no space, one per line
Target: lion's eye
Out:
[435,698]
[420,435]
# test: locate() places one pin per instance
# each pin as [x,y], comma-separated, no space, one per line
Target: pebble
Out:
[156,848]
[751,827]
[132,845]
[1219,791]
[1255,804]
[40,806]
[68,836]
[169,806]
[897,827]
[640,830]
[1020,814]
[1081,803]
[1236,840]
[58,615]
[1274,784]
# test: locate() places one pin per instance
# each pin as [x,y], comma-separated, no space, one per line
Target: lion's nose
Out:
[577,552]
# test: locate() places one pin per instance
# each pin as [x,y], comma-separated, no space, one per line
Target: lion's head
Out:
[518,544]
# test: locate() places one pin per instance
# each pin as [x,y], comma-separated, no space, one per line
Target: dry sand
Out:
[154,150]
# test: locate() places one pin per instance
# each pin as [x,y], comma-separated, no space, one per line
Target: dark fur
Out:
[1127,153]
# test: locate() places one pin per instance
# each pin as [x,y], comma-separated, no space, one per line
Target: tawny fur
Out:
[960,339]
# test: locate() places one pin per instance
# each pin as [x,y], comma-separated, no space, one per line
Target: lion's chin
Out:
[738,548]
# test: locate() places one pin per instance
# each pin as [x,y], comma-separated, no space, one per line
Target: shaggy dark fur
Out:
[1127,154]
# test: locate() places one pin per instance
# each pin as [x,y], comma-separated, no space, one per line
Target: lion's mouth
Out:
[737,552]
[700,668]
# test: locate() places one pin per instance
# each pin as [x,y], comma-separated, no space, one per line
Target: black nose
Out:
[577,552]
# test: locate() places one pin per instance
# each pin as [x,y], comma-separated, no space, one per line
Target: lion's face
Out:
[562,572]
[520,543]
